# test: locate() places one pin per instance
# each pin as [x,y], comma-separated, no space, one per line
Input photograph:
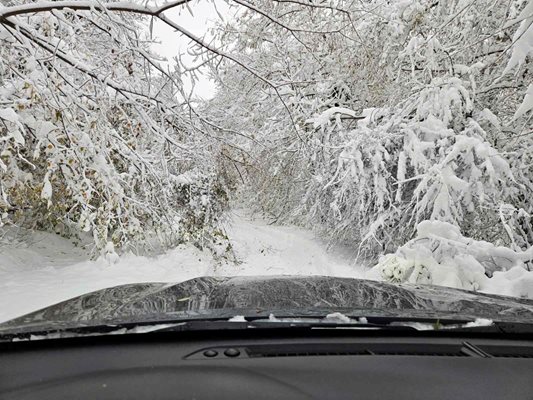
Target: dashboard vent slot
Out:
[359,349]
[424,353]
[308,353]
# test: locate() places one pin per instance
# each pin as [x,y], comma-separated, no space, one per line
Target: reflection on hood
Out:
[259,296]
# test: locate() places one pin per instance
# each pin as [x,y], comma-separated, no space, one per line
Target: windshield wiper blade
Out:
[265,324]
[435,326]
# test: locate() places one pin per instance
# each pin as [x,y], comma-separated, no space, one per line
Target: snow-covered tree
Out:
[93,137]
[378,115]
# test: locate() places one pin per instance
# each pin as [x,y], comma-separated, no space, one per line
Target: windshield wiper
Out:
[265,324]
[435,326]
[380,323]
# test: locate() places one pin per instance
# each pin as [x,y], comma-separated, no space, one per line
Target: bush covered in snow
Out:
[440,255]
[94,139]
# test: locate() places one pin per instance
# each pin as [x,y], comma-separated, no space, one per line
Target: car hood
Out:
[284,296]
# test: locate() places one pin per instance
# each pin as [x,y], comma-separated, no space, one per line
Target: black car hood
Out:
[223,297]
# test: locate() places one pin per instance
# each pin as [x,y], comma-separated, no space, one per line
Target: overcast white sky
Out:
[173,43]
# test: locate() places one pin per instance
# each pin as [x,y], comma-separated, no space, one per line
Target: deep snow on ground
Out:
[43,269]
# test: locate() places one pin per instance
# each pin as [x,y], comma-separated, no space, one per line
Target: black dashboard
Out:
[320,364]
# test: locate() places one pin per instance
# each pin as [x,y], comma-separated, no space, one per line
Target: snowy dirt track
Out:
[45,269]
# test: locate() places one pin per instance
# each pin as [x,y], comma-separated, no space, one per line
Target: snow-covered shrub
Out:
[430,160]
[441,255]
[93,138]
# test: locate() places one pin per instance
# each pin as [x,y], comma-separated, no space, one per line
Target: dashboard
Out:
[321,364]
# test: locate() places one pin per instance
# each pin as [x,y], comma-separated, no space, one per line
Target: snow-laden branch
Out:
[126,6]
[276,21]
[30,34]
[8,14]
[325,117]
[230,57]
[310,4]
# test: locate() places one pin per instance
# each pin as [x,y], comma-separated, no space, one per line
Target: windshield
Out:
[147,144]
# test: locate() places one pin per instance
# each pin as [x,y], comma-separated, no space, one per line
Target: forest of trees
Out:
[374,122]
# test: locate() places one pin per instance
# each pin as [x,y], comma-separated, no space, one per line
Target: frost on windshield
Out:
[393,139]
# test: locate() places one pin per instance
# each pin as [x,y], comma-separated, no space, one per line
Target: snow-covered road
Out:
[45,269]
